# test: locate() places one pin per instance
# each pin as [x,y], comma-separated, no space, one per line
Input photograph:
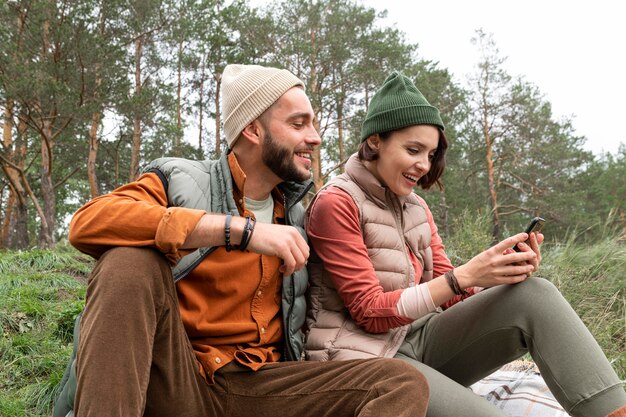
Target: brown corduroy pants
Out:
[134,359]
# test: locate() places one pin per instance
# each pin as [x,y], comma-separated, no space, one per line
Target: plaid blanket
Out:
[519,393]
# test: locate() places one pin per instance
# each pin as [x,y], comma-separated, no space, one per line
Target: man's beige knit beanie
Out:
[249,90]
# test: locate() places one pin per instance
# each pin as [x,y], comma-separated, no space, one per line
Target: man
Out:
[226,339]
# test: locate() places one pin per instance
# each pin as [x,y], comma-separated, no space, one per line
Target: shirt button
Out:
[259,293]
[263,330]
[218,361]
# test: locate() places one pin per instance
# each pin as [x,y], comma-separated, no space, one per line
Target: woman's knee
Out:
[540,284]
[538,298]
[535,289]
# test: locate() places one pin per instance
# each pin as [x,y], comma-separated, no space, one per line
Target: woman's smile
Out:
[404,157]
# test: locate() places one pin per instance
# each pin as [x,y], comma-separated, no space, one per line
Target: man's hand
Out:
[267,239]
[282,241]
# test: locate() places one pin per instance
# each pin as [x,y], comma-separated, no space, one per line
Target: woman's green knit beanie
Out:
[396,105]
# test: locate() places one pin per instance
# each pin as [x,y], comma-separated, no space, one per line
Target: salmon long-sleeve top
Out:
[334,231]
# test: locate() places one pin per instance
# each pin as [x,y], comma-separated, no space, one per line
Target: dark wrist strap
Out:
[229,217]
[246,235]
[454,283]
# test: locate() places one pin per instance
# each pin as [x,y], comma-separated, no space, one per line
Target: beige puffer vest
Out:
[388,225]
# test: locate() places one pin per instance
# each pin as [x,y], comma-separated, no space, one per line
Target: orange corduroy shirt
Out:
[230,303]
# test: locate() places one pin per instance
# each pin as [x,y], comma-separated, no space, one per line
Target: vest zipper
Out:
[291,355]
[296,200]
[411,270]
[288,348]
[399,218]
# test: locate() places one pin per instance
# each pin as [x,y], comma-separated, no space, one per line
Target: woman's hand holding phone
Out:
[535,225]
[534,241]
[512,260]
[497,265]
[533,244]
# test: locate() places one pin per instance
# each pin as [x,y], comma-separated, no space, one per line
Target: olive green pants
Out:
[475,337]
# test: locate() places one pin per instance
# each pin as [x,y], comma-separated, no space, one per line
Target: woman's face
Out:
[404,157]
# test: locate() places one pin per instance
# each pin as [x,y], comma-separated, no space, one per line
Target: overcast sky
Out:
[574,51]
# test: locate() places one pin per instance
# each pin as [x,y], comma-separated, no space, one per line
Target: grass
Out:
[41,293]
[593,279]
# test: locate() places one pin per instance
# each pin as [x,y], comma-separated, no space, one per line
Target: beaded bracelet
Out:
[229,217]
[454,283]
[246,235]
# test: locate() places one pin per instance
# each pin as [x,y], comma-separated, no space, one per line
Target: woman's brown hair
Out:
[366,153]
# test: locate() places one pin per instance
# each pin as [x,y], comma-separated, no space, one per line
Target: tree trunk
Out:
[316,160]
[96,118]
[15,227]
[117,160]
[46,238]
[93,154]
[218,115]
[136,146]
[493,194]
[177,140]
[200,115]
[21,240]
[340,130]
[13,237]
[8,217]
[46,234]
[7,140]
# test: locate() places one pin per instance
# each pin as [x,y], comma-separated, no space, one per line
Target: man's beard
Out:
[280,161]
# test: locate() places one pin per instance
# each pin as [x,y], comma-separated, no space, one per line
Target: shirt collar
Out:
[239,182]
[239,177]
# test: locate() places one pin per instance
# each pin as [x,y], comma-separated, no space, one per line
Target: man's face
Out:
[289,136]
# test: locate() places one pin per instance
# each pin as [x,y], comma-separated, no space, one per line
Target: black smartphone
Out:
[535,225]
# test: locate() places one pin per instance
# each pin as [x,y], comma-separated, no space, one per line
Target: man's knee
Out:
[411,385]
[400,367]
[132,256]
[131,269]
[403,376]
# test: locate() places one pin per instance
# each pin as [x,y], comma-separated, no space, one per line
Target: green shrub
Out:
[471,234]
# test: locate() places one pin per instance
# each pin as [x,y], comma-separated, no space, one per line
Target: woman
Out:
[380,271]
